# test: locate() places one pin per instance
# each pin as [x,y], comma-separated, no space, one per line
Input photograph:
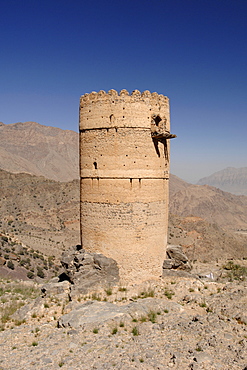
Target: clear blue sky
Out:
[193,51]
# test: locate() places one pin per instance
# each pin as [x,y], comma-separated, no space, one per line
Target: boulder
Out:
[177,259]
[86,271]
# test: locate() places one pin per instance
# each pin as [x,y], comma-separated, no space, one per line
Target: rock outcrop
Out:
[176,259]
[86,271]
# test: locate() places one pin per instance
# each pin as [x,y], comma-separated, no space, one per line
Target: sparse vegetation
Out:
[135,331]
[146,293]
[114,330]
[96,297]
[235,271]
[108,291]
[199,349]
[169,293]
[152,316]
[122,289]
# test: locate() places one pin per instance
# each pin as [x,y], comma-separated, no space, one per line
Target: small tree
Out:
[10,265]
[30,275]
[40,272]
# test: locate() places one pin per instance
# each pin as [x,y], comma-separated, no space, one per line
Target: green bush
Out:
[40,272]
[152,316]
[10,265]
[135,331]
[30,275]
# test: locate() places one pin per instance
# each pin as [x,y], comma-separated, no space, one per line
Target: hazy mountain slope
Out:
[176,184]
[233,180]
[39,150]
[212,204]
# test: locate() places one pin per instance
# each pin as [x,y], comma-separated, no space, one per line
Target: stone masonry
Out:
[124,172]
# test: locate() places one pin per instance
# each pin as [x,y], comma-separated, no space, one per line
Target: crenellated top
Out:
[113,109]
[122,95]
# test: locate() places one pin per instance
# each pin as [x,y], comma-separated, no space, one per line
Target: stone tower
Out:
[124,172]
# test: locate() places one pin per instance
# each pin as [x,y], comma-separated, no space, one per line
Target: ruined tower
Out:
[124,172]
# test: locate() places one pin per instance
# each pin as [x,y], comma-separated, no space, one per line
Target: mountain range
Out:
[39,150]
[233,180]
[43,211]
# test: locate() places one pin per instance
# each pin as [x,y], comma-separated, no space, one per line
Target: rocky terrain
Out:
[214,205]
[39,150]
[43,214]
[196,321]
[233,180]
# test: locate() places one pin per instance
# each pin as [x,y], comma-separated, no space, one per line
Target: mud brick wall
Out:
[124,176]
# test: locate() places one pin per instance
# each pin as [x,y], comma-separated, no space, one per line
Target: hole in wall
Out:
[157,120]
[95,165]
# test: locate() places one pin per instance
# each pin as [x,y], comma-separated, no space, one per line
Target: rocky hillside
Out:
[39,150]
[44,215]
[41,213]
[214,205]
[233,180]
[203,241]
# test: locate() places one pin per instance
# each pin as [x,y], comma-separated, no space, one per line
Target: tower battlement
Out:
[98,110]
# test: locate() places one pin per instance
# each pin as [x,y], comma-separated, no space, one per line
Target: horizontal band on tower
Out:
[114,127]
[123,178]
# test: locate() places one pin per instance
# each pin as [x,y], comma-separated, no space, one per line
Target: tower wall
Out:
[124,180]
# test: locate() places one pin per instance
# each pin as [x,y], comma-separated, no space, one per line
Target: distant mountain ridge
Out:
[231,179]
[39,150]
